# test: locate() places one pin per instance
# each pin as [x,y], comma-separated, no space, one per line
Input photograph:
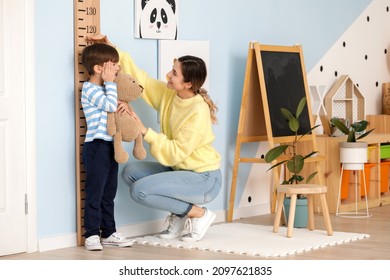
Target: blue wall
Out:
[228,25]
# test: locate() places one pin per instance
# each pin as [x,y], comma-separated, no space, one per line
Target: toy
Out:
[124,127]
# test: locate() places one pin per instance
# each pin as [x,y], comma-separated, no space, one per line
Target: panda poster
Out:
[156,19]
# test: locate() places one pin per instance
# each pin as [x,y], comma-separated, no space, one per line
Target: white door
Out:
[13,161]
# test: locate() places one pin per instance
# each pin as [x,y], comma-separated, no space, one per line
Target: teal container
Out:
[301,212]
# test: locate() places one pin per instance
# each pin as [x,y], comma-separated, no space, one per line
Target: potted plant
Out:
[352,153]
[293,162]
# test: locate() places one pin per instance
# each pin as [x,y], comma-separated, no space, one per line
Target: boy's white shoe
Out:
[116,239]
[175,227]
[197,227]
[92,243]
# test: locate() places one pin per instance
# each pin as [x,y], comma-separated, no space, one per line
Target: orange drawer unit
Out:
[345,180]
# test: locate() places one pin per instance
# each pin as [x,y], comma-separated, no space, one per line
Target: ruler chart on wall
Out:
[86,23]
[275,78]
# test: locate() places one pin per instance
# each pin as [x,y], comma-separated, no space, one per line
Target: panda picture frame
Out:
[156,19]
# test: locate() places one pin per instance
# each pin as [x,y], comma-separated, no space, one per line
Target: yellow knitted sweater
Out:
[185,141]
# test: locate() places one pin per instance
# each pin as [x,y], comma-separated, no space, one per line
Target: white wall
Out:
[362,53]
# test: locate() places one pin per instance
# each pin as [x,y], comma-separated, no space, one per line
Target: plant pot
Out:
[301,212]
[353,155]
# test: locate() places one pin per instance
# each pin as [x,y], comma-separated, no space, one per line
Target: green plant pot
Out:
[301,212]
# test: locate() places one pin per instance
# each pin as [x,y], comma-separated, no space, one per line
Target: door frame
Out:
[24,17]
[29,48]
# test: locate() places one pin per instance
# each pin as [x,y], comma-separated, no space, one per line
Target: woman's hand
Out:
[99,38]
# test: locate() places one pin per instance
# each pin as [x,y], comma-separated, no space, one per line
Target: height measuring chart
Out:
[86,23]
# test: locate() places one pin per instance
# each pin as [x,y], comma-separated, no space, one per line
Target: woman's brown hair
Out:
[194,71]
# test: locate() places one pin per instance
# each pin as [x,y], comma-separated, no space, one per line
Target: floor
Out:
[377,247]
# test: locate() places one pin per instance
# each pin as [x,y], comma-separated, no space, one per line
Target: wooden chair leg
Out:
[283,217]
[291,215]
[278,213]
[325,212]
[310,209]
[233,187]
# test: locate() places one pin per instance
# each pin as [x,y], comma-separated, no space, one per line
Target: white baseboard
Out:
[250,211]
[57,242]
[70,240]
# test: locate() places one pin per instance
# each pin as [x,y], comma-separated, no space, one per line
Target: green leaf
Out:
[309,155]
[277,164]
[300,107]
[299,163]
[359,126]
[311,176]
[340,125]
[365,134]
[295,164]
[293,124]
[286,114]
[295,179]
[291,180]
[275,152]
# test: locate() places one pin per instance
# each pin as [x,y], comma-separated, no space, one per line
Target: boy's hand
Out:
[109,71]
[123,108]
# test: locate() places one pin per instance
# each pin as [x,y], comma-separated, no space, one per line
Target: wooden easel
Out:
[86,23]
[275,77]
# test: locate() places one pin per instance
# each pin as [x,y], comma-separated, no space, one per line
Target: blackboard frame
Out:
[282,78]
[257,110]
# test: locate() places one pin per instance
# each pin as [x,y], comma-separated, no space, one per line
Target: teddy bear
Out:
[124,127]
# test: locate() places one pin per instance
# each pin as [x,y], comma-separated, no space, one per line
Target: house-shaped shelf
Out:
[344,100]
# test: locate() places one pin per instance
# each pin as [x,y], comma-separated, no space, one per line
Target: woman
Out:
[187,173]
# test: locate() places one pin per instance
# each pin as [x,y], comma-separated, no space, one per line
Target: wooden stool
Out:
[308,190]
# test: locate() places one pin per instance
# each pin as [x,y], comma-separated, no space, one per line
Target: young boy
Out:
[99,96]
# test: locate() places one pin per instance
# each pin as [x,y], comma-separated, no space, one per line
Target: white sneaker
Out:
[198,226]
[175,227]
[116,239]
[92,243]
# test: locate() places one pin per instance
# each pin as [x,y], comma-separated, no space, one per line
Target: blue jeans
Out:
[161,187]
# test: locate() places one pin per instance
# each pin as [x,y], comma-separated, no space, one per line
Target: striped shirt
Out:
[97,101]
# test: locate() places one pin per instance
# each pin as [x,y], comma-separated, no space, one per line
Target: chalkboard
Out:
[285,87]
[275,78]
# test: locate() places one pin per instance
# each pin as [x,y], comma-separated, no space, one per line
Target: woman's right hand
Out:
[99,38]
